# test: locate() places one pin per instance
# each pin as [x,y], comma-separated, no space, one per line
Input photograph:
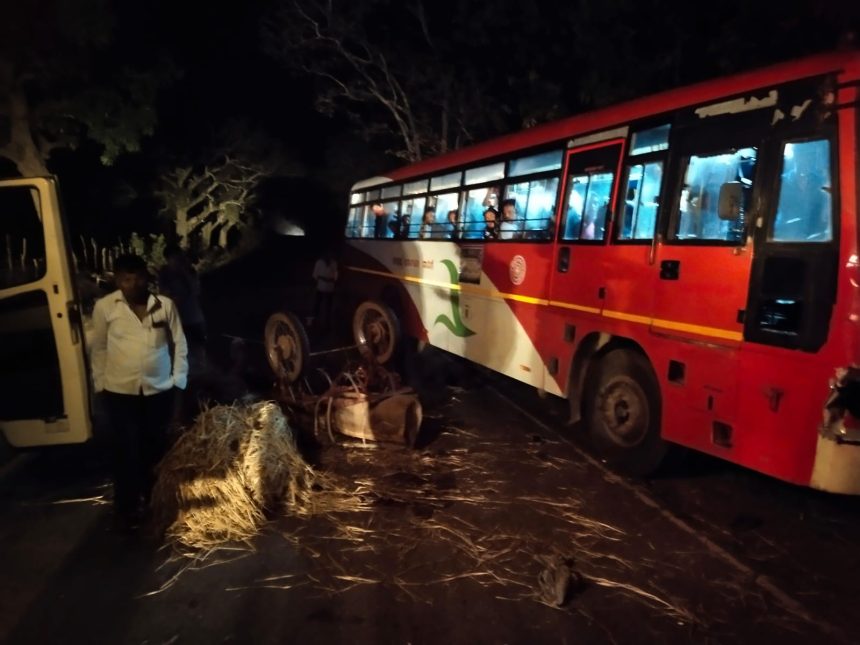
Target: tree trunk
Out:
[206,234]
[22,149]
[181,224]
[222,235]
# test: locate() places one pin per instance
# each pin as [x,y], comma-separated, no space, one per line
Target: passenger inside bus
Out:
[643,195]
[587,232]
[454,230]
[430,229]
[804,212]
[548,232]
[575,204]
[399,225]
[699,199]
[491,231]
[594,218]
[509,226]
[380,220]
[478,201]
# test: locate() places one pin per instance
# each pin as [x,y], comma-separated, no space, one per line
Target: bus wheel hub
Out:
[624,411]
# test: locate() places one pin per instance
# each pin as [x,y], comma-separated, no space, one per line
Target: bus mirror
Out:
[731,198]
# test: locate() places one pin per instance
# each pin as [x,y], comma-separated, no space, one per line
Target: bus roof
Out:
[622,113]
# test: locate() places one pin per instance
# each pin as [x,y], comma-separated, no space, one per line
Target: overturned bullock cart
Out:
[362,400]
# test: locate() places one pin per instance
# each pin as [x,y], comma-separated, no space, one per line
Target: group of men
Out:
[500,224]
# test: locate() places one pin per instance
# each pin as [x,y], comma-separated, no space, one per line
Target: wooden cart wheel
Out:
[376,330]
[287,346]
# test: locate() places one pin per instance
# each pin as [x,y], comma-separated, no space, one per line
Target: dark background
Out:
[574,56]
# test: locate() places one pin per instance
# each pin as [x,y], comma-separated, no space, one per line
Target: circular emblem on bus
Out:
[518,269]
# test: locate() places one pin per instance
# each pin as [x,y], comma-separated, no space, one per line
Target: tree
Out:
[59,85]
[409,92]
[208,200]
[423,78]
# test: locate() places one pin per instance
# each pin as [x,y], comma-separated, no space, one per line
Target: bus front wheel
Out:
[622,412]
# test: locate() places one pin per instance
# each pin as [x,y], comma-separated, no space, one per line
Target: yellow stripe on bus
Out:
[716,332]
[676,326]
[570,305]
[673,325]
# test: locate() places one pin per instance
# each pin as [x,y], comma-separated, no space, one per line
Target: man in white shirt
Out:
[509,228]
[325,274]
[139,357]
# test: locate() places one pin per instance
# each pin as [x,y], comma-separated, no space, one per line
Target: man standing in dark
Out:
[139,358]
[179,281]
[325,274]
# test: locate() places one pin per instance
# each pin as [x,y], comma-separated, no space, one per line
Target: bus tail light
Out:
[842,411]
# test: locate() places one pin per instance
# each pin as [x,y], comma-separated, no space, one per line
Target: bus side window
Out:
[805,209]
[478,200]
[513,211]
[642,197]
[586,206]
[535,207]
[398,222]
[698,217]
[364,229]
[413,212]
[355,223]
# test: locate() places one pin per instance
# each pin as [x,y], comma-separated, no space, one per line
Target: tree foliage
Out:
[212,198]
[60,85]
[207,202]
[400,90]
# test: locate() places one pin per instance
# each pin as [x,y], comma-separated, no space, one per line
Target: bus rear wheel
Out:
[622,412]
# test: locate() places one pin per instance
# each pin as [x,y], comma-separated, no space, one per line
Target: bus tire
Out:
[623,411]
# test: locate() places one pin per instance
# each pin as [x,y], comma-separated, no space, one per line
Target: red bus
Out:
[682,267]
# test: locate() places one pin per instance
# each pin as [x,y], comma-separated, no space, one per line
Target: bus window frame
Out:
[709,142]
[828,132]
[432,195]
[643,159]
[617,170]
[521,179]
[464,192]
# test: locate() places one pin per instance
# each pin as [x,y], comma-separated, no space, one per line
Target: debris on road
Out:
[365,401]
[557,580]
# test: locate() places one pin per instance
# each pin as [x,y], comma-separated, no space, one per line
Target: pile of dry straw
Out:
[234,466]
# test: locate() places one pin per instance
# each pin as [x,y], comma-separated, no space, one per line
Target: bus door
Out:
[630,257]
[702,274]
[791,304]
[588,194]
[793,286]
[44,392]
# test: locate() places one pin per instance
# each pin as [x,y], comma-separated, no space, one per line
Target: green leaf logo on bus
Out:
[454,323]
